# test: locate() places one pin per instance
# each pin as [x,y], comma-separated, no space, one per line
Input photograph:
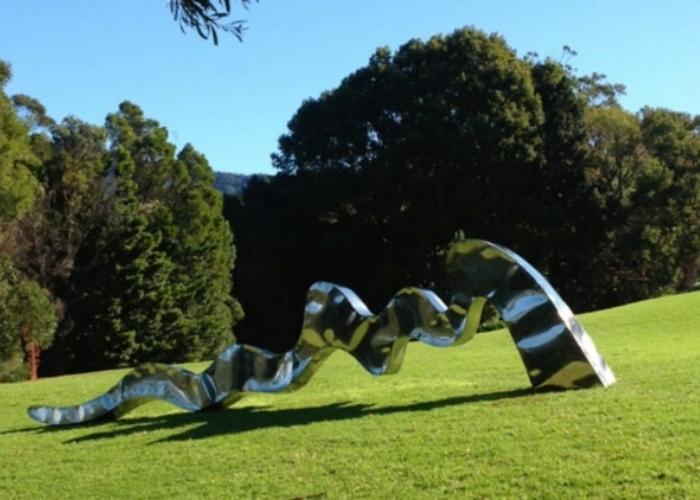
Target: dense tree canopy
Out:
[459,134]
[17,185]
[114,236]
[27,319]
[157,277]
[451,134]
[119,243]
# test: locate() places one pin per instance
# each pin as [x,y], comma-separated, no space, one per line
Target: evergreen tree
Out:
[203,253]
[127,307]
[180,241]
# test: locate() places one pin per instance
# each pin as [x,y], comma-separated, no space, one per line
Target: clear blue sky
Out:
[83,57]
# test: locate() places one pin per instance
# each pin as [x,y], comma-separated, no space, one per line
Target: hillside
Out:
[457,422]
[231,184]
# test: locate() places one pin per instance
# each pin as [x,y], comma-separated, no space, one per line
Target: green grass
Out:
[456,422]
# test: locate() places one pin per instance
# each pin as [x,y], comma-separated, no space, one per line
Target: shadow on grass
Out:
[240,420]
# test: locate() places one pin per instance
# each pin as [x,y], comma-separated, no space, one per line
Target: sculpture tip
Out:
[38,413]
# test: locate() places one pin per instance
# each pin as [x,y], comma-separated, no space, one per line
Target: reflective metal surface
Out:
[556,350]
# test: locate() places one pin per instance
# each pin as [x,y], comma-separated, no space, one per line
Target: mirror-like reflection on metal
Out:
[556,350]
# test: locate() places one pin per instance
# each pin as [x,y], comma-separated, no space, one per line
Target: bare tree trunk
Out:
[33,352]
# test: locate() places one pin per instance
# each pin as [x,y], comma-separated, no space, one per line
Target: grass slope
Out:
[458,422]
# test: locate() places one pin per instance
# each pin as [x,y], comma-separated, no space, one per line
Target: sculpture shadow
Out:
[240,420]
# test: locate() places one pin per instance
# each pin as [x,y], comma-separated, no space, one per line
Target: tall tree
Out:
[203,252]
[437,128]
[185,246]
[45,243]
[126,313]
[558,201]
[668,198]
[17,185]
[27,318]
[644,171]
[376,175]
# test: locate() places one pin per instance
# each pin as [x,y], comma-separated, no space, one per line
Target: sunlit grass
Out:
[460,422]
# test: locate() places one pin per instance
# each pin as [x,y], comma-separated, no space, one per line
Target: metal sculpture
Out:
[556,350]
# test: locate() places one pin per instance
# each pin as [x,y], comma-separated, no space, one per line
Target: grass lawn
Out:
[456,422]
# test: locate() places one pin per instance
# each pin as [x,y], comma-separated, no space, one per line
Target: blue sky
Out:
[83,57]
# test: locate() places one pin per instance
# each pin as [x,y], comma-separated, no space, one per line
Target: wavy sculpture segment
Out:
[555,349]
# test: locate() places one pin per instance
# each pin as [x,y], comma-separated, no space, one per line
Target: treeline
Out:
[113,248]
[459,134]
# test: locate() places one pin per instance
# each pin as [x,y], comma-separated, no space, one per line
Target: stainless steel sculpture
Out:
[556,350]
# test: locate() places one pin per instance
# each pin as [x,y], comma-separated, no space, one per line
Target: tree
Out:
[207,17]
[433,125]
[45,242]
[27,318]
[616,161]
[598,92]
[126,247]
[130,242]
[616,155]
[644,172]
[127,315]
[204,256]
[168,250]
[668,199]
[455,133]
[558,200]
[17,185]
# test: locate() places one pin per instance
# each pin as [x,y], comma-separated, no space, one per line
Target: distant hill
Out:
[231,184]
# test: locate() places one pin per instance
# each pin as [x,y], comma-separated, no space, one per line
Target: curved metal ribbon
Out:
[556,350]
